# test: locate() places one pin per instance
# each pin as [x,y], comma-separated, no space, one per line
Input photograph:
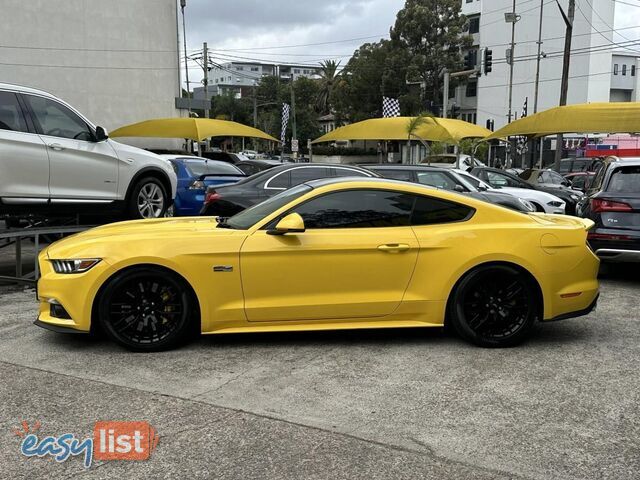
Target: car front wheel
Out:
[495,306]
[148,200]
[147,309]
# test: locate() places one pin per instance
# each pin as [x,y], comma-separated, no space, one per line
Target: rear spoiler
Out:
[588,224]
[203,177]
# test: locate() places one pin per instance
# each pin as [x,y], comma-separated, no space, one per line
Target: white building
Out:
[486,98]
[117,61]
[236,77]
[625,86]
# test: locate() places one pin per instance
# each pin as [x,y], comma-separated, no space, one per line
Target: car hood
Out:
[135,230]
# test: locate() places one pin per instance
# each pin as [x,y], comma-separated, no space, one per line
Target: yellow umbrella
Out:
[621,117]
[196,129]
[395,128]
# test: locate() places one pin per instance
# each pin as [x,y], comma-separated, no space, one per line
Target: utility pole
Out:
[255,105]
[538,142]
[205,67]
[445,99]
[564,87]
[512,19]
[183,4]
[294,133]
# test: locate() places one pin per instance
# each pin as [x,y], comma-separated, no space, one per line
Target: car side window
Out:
[436,179]
[11,116]
[57,120]
[597,181]
[400,174]
[430,211]
[357,209]
[248,169]
[347,172]
[498,180]
[280,181]
[306,174]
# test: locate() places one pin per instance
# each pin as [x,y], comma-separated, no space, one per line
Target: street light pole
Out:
[205,66]
[183,4]
[513,19]
[294,133]
[539,142]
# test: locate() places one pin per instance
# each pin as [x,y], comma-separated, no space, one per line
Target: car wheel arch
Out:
[152,172]
[487,265]
[94,327]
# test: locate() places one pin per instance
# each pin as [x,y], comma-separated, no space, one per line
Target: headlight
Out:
[78,265]
[554,204]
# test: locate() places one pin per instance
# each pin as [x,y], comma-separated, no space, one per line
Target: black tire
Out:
[157,199]
[495,306]
[148,309]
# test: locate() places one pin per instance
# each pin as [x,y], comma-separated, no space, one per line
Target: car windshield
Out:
[249,217]
[205,167]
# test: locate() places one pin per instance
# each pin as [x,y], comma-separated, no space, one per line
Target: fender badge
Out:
[223,268]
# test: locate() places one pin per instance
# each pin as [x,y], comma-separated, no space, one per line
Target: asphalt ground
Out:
[362,404]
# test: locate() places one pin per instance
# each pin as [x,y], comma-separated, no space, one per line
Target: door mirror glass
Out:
[101,134]
[292,223]
[459,188]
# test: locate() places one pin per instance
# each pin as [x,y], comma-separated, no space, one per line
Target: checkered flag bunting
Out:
[285,121]
[390,107]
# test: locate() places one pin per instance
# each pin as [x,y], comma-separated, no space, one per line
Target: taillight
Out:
[603,205]
[607,236]
[197,185]
[211,197]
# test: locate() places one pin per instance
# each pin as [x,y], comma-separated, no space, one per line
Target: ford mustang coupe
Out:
[339,253]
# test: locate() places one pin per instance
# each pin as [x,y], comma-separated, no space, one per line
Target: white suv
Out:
[53,159]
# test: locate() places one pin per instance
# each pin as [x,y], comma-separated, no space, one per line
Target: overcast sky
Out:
[253,29]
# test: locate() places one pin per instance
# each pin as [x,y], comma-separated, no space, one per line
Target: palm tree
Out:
[412,126]
[328,76]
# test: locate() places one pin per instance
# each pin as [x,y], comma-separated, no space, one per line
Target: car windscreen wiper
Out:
[222,222]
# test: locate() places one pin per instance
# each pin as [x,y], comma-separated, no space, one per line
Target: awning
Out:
[620,117]
[196,129]
[395,128]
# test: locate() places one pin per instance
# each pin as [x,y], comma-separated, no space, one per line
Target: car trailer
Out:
[15,236]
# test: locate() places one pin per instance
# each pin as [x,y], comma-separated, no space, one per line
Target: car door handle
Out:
[55,146]
[394,247]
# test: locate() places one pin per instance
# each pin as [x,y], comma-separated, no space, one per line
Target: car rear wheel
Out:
[148,199]
[495,306]
[147,309]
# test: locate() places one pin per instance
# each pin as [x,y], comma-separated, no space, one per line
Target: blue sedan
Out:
[195,174]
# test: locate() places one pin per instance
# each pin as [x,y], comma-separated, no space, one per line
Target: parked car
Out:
[251,167]
[448,160]
[327,254]
[225,156]
[545,178]
[579,164]
[228,200]
[448,179]
[613,203]
[499,178]
[54,160]
[195,174]
[541,201]
[580,180]
[250,154]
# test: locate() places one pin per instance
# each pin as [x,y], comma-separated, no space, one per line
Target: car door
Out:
[81,169]
[24,163]
[354,260]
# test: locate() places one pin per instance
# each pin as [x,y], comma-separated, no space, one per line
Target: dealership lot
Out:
[384,404]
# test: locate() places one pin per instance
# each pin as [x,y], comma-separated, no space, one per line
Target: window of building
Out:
[615,68]
[624,69]
[255,69]
[296,70]
[633,70]
[472,88]
[474,24]
[240,68]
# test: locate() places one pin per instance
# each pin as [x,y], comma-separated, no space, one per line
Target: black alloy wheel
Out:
[495,306]
[147,309]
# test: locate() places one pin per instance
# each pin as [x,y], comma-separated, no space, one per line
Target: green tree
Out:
[329,75]
[432,31]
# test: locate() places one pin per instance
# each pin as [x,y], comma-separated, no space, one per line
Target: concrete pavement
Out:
[384,404]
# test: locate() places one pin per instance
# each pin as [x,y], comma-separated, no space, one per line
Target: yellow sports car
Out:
[328,254]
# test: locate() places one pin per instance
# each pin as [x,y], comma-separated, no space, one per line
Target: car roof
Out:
[287,166]
[322,182]
[261,161]
[24,89]
[378,166]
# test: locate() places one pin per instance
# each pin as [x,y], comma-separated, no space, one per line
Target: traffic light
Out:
[488,60]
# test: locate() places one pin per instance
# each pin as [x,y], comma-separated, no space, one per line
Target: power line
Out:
[88,67]
[301,45]
[599,32]
[547,80]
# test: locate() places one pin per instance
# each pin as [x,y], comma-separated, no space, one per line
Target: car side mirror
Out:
[568,183]
[292,223]
[482,188]
[101,134]
[459,188]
